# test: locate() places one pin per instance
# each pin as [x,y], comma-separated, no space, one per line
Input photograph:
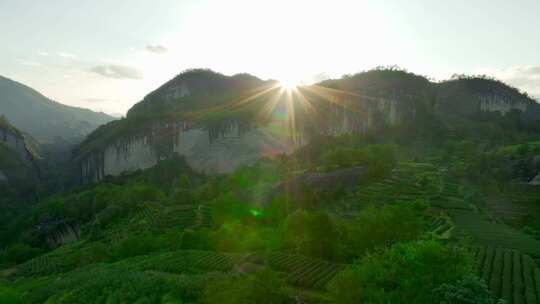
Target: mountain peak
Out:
[192,84]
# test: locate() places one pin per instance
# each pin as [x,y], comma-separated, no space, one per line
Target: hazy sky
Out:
[106,55]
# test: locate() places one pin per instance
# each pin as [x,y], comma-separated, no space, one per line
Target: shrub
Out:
[228,208]
[381,227]
[140,193]
[182,193]
[109,215]
[9,296]
[93,253]
[20,252]
[102,284]
[379,159]
[262,287]
[136,245]
[404,273]
[170,299]
[312,234]
[239,237]
[201,240]
[469,290]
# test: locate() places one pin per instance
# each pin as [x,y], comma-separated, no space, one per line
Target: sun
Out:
[289,84]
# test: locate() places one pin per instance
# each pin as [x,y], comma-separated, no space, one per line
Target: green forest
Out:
[269,152]
[375,218]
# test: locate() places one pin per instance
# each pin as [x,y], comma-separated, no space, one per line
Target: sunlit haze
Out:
[106,55]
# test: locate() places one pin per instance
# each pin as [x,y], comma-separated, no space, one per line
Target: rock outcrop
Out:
[466,96]
[222,149]
[535,181]
[219,123]
[17,162]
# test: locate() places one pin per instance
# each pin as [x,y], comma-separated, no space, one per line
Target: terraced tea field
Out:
[515,205]
[408,182]
[63,259]
[304,271]
[510,275]
[159,218]
[487,232]
[42,265]
[183,261]
[413,181]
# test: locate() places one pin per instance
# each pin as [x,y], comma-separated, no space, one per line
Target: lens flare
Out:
[255,212]
[289,84]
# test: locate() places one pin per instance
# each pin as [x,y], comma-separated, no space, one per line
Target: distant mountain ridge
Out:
[44,119]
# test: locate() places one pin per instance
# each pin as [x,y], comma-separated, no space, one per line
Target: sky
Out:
[107,55]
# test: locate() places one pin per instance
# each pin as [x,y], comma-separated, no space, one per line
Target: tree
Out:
[182,194]
[9,296]
[404,273]
[469,290]
[313,234]
[136,245]
[381,227]
[20,252]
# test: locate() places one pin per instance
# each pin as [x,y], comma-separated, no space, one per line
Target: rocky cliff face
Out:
[203,151]
[468,96]
[15,141]
[497,103]
[233,144]
[356,104]
[16,160]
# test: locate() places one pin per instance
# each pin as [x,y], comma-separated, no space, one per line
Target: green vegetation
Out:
[430,215]
[470,289]
[405,272]
[170,235]
[263,286]
[509,274]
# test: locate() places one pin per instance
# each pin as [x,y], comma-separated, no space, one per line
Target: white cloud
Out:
[42,53]
[28,63]
[117,71]
[526,78]
[95,100]
[67,55]
[156,48]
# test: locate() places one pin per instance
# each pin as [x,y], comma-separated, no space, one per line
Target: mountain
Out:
[219,122]
[44,119]
[18,167]
[382,178]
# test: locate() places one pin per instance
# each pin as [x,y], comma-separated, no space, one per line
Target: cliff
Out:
[466,96]
[219,122]
[17,161]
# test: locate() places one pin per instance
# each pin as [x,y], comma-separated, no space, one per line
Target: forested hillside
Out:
[270,152]
[434,200]
[437,221]
[44,119]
